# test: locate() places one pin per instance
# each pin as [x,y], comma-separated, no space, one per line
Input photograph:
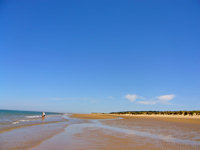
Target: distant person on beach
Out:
[43,115]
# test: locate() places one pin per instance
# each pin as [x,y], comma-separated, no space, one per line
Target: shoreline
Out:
[26,135]
[30,136]
[27,125]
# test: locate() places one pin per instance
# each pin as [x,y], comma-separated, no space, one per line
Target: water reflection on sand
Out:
[96,134]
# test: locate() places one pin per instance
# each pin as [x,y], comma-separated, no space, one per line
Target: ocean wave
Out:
[33,116]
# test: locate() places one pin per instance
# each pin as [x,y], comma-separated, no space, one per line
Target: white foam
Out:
[15,122]
[23,120]
[33,116]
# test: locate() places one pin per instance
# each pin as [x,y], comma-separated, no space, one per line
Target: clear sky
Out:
[99,55]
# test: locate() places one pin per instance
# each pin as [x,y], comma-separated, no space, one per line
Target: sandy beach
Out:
[94,116]
[100,131]
[106,132]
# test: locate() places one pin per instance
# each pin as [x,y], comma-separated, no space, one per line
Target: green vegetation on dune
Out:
[191,113]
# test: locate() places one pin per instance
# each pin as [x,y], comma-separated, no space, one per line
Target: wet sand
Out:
[25,135]
[108,132]
[125,134]
[103,139]
[169,128]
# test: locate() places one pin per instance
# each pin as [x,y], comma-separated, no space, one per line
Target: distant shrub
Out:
[191,113]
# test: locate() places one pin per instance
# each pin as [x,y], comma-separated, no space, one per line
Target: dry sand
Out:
[168,118]
[93,116]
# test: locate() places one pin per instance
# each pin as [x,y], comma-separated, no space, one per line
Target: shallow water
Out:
[81,134]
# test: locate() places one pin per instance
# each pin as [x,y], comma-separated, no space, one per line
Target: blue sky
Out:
[100,56]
